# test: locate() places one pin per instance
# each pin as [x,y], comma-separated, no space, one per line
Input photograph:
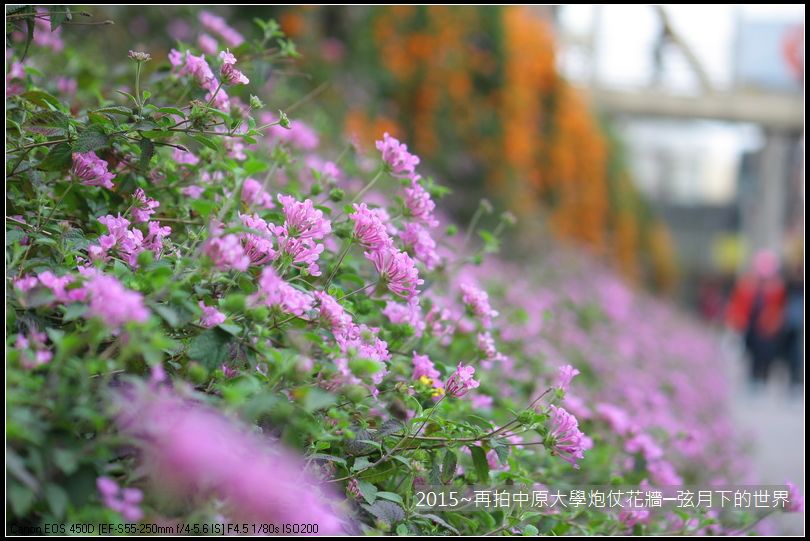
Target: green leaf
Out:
[74,311]
[368,491]
[390,496]
[387,512]
[57,500]
[449,465]
[210,348]
[66,460]
[438,520]
[206,141]
[20,498]
[58,15]
[147,151]
[91,139]
[360,463]
[43,99]
[48,123]
[59,158]
[480,463]
[115,110]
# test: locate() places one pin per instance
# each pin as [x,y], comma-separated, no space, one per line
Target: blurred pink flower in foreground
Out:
[193,451]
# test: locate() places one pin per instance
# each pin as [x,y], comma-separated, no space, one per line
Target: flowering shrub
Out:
[216,315]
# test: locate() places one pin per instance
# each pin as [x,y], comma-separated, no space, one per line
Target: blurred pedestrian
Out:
[756,310]
[793,327]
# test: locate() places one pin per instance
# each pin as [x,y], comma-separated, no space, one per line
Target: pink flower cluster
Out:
[144,206]
[91,170]
[567,441]
[299,135]
[275,292]
[419,240]
[477,300]
[198,68]
[409,313]
[423,367]
[399,161]
[33,349]
[257,246]
[369,228]
[225,251]
[112,303]
[332,313]
[230,75]
[303,225]
[217,25]
[254,194]
[190,451]
[128,243]
[397,271]
[125,501]
[461,381]
[58,286]
[419,204]
[564,376]
[361,342]
[211,317]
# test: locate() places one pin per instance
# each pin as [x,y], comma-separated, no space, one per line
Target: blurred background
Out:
[665,141]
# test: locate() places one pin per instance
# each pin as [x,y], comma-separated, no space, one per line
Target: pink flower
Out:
[302,250]
[406,314]
[217,25]
[66,86]
[419,204]
[144,206]
[643,443]
[332,313]
[230,75]
[226,252]
[795,501]
[193,191]
[258,246]
[207,44]
[423,367]
[396,156]
[43,36]
[481,401]
[566,440]
[184,157]
[254,194]
[121,501]
[191,451]
[369,228]
[631,517]
[302,219]
[397,270]
[418,239]
[277,293]
[114,304]
[564,376]
[299,135]
[91,170]
[26,283]
[461,381]
[478,301]
[211,317]
[663,473]
[33,349]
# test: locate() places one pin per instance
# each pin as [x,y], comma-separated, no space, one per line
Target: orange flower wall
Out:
[476,92]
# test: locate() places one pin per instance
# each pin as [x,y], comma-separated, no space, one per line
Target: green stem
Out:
[337,265]
[368,186]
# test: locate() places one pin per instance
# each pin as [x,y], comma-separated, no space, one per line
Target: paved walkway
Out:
[775,420]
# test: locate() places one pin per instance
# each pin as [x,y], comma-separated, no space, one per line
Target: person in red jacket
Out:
[756,310]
